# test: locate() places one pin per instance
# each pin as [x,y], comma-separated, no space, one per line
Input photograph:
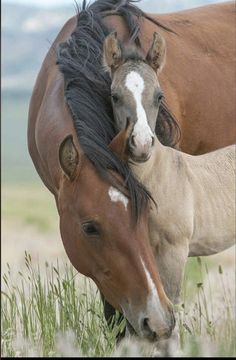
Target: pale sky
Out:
[44,3]
[51,3]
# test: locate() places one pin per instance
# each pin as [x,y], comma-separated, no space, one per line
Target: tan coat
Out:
[195,213]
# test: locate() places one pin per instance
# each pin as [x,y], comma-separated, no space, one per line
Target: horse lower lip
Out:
[152,338]
[141,159]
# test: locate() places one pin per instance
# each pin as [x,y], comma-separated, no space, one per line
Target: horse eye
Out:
[90,229]
[115,98]
[158,97]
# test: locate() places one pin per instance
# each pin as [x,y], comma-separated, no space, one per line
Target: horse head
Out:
[105,243]
[135,90]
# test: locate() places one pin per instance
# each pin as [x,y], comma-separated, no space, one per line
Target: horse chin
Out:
[139,159]
[151,339]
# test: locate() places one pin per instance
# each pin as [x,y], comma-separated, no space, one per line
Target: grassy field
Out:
[48,309]
[58,315]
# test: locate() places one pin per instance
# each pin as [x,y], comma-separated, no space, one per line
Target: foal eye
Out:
[115,98]
[90,228]
[158,97]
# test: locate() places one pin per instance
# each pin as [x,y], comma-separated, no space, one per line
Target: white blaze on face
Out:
[153,302]
[142,132]
[116,195]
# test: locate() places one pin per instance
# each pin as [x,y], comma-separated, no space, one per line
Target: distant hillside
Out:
[28,31]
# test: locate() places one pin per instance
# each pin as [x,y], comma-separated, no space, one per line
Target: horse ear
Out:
[119,144]
[68,157]
[157,53]
[112,52]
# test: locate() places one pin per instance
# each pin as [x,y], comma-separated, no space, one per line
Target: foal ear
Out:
[119,144]
[112,53]
[157,52]
[68,157]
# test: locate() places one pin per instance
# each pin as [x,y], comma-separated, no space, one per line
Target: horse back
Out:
[199,76]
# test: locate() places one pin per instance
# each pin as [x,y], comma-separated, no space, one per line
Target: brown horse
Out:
[91,213]
[197,80]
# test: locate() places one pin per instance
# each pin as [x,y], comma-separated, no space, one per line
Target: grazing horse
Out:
[72,93]
[103,209]
[98,221]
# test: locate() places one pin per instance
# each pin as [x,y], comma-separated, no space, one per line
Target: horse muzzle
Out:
[140,151]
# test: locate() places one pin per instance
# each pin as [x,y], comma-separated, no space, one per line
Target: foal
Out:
[195,213]
[195,195]
[135,91]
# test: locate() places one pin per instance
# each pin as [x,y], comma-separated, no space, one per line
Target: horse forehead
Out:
[89,179]
[116,196]
[134,82]
[140,80]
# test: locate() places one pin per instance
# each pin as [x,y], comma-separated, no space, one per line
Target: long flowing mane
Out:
[87,92]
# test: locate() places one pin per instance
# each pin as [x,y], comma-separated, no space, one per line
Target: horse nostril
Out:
[145,324]
[132,140]
[150,333]
[153,140]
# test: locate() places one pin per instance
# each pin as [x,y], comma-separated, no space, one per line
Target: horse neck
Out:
[158,165]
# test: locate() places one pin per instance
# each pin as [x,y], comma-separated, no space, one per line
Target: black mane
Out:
[87,92]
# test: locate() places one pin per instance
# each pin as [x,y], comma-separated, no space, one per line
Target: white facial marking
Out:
[116,195]
[153,302]
[135,84]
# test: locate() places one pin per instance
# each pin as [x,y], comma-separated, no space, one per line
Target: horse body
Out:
[213,179]
[195,212]
[194,196]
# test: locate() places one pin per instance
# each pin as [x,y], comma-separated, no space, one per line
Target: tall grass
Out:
[206,317]
[53,313]
[42,308]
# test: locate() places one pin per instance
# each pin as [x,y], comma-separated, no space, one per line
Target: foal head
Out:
[135,90]
[104,242]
